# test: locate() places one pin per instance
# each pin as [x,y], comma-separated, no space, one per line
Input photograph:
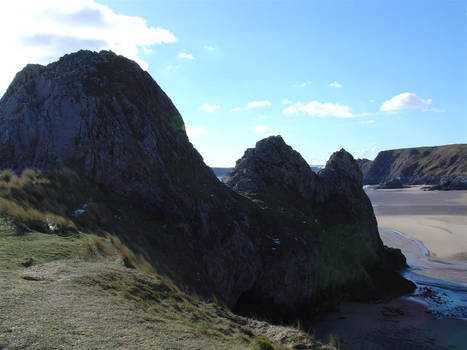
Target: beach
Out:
[430,227]
[436,218]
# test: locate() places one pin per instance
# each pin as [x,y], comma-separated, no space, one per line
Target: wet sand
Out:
[396,325]
[430,227]
[436,218]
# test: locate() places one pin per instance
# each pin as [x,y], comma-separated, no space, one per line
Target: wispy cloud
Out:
[210,48]
[196,131]
[369,152]
[209,108]
[405,100]
[254,104]
[262,117]
[335,84]
[171,67]
[42,31]
[236,109]
[304,84]
[260,128]
[371,121]
[290,110]
[186,55]
[286,102]
[321,109]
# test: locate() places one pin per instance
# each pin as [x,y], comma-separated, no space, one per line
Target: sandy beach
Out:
[430,227]
[436,218]
[435,225]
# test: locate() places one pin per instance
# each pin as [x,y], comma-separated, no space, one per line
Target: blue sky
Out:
[363,75]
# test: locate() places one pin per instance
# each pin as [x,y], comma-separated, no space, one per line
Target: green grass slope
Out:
[74,291]
[421,165]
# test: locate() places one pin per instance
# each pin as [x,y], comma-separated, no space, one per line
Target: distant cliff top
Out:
[445,166]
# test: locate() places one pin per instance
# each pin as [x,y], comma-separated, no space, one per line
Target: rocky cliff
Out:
[328,211]
[444,167]
[282,240]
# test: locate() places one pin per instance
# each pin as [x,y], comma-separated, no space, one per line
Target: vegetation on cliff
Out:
[444,167]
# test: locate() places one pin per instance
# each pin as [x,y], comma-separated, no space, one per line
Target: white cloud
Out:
[405,100]
[368,153]
[260,128]
[316,108]
[335,84]
[42,31]
[196,131]
[321,109]
[186,55]
[236,109]
[371,121]
[304,84]
[210,48]
[209,108]
[262,117]
[371,100]
[286,102]
[254,104]
[290,110]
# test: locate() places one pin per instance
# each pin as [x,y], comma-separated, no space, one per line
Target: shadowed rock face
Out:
[275,174]
[335,214]
[104,117]
[286,239]
[273,170]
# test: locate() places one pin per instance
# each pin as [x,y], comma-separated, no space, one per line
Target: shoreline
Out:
[422,261]
[435,315]
[442,286]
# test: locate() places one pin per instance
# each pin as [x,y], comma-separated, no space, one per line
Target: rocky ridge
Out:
[443,167]
[331,206]
[285,240]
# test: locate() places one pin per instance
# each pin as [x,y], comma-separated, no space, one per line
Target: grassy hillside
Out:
[421,165]
[62,287]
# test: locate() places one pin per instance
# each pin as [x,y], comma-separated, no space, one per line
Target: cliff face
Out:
[442,166]
[328,211]
[103,117]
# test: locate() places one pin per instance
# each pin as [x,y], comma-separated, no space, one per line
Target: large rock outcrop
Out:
[102,116]
[297,236]
[445,167]
[335,217]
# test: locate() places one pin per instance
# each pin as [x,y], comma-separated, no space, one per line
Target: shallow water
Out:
[440,282]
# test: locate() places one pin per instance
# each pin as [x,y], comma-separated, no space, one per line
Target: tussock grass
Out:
[262,343]
[74,281]
[26,201]
[34,219]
